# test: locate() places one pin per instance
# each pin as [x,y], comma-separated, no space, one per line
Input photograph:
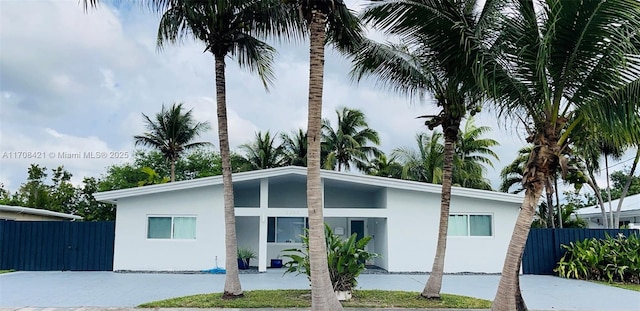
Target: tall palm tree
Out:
[559,64]
[431,60]
[348,142]
[473,152]
[425,163]
[384,166]
[295,148]
[172,132]
[512,174]
[327,21]
[227,28]
[263,153]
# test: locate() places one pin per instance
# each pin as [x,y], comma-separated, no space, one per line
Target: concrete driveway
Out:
[108,289]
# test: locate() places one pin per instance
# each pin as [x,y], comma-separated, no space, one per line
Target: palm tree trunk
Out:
[173,170]
[322,294]
[549,191]
[555,187]
[542,162]
[626,187]
[598,194]
[606,166]
[434,283]
[232,287]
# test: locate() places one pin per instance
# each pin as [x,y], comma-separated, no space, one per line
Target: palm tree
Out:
[262,153]
[425,163]
[559,65]
[227,28]
[327,21]
[384,167]
[472,153]
[431,59]
[171,132]
[295,148]
[512,174]
[348,142]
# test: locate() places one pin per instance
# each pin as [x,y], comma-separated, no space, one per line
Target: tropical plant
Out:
[511,175]
[348,142]
[346,259]
[425,163]
[295,148]
[263,153]
[327,21]
[558,65]
[172,133]
[472,153]
[384,166]
[610,259]
[245,254]
[434,48]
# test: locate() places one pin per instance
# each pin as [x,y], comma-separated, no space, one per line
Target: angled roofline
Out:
[37,211]
[629,204]
[114,195]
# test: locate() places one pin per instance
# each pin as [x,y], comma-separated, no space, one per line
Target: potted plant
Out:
[245,255]
[345,258]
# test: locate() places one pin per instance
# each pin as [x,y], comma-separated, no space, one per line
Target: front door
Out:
[357,226]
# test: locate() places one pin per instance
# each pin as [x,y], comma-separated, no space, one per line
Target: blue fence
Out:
[543,249]
[56,245]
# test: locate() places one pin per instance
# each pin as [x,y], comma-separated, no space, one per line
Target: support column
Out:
[262,236]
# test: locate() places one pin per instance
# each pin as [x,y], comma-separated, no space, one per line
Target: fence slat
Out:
[544,246]
[56,245]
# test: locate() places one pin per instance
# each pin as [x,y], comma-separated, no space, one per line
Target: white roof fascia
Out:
[114,195]
[37,211]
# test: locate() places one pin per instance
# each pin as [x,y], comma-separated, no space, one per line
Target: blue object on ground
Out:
[215,270]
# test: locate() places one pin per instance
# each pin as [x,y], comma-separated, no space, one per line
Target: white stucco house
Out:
[179,226]
[629,213]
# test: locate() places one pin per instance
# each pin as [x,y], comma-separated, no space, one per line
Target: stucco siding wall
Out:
[288,195]
[481,254]
[378,230]
[336,197]
[413,232]
[412,229]
[247,234]
[133,251]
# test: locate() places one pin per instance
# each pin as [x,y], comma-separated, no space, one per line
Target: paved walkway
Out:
[37,290]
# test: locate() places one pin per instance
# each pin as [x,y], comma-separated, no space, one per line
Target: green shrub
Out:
[346,259]
[610,259]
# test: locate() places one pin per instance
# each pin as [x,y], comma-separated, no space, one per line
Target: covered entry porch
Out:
[285,231]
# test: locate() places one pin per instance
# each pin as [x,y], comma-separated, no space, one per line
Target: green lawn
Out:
[629,286]
[6,271]
[302,299]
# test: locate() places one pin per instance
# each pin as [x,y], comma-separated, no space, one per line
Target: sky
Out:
[76,83]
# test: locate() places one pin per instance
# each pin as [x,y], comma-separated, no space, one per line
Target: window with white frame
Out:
[470,225]
[286,229]
[171,227]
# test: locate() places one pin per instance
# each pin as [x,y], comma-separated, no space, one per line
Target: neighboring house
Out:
[179,226]
[629,213]
[8,212]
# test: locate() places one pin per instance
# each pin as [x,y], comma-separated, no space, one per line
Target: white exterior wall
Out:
[412,228]
[413,231]
[133,251]
[481,254]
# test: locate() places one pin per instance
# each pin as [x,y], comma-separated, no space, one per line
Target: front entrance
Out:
[357,226]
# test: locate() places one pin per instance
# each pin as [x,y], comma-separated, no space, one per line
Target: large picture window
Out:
[470,225]
[286,229]
[171,227]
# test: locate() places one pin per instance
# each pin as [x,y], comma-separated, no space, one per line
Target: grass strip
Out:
[302,299]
